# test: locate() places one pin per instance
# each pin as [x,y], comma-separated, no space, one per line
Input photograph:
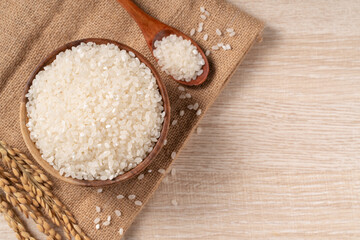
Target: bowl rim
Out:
[94,183]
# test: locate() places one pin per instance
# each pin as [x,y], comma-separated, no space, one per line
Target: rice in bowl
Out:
[94,112]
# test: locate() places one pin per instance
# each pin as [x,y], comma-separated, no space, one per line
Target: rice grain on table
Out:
[173,155]
[90,92]
[182,112]
[218,32]
[207,53]
[192,32]
[179,58]
[161,170]
[120,196]
[174,202]
[121,231]
[131,196]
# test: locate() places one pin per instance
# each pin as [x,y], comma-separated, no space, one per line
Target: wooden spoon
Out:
[95,183]
[154,30]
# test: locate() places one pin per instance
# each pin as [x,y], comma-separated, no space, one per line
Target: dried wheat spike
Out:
[39,186]
[14,221]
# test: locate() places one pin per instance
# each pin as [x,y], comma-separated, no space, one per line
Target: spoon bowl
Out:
[93,183]
[154,30]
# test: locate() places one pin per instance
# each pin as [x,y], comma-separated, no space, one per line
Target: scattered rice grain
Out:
[141,176]
[182,96]
[173,172]
[131,196]
[198,112]
[174,202]
[173,155]
[215,47]
[109,218]
[202,9]
[161,170]
[174,122]
[206,37]
[181,88]
[218,32]
[106,223]
[182,112]
[232,34]
[165,142]
[196,106]
[98,209]
[97,226]
[207,13]
[198,130]
[203,17]
[120,196]
[121,231]
[97,220]
[192,32]
[190,107]
[230,30]
[207,53]
[188,95]
[117,213]
[138,203]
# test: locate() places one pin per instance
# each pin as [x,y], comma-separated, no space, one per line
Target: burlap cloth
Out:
[29,30]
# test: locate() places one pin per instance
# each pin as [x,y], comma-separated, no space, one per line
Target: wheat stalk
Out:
[39,186]
[18,200]
[14,221]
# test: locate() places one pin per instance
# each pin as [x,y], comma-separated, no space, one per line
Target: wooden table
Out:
[278,156]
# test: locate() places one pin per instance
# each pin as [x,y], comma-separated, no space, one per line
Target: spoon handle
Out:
[148,25]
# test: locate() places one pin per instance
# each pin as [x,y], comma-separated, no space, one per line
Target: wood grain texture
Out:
[287,127]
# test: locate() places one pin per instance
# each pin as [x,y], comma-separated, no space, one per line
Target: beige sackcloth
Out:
[29,30]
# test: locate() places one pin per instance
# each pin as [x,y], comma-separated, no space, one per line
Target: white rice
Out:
[192,32]
[97,220]
[98,209]
[174,122]
[161,170]
[200,27]
[117,213]
[174,202]
[182,112]
[179,58]
[218,32]
[138,203]
[206,37]
[181,88]
[173,155]
[232,34]
[121,231]
[207,53]
[131,197]
[203,17]
[141,176]
[120,196]
[95,112]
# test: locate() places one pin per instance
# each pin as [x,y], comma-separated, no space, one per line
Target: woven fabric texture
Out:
[32,29]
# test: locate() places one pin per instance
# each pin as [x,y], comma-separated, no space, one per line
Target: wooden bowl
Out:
[94,183]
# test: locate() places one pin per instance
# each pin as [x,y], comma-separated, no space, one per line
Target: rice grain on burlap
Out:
[32,29]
